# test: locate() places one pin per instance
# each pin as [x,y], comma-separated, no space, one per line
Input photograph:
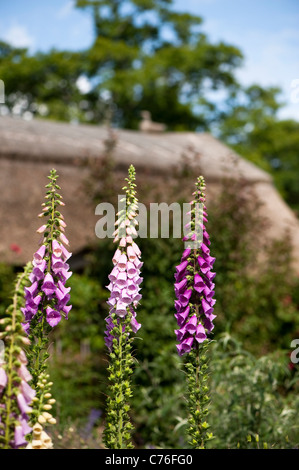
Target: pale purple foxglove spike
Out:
[48,286]
[39,255]
[53,317]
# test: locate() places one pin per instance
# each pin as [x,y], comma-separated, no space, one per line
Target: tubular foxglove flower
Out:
[194,291]
[124,289]
[16,394]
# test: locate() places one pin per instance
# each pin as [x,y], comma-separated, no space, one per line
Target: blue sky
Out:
[266,31]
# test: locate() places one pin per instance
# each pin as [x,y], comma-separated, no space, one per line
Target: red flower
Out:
[16,248]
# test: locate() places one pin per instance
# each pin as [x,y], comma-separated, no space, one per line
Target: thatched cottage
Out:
[29,149]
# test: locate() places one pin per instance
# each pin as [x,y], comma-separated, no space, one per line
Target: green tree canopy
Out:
[147,56]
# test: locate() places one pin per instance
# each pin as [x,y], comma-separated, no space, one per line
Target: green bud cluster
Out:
[117,434]
[198,396]
[43,401]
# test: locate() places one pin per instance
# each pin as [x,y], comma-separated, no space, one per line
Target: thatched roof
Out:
[29,149]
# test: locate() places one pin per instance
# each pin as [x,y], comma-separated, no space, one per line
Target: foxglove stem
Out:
[194,290]
[42,405]
[121,322]
[15,392]
[47,298]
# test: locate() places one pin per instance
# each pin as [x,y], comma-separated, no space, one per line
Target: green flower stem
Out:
[118,429]
[117,434]
[10,363]
[197,395]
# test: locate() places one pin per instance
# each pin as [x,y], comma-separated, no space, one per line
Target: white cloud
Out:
[18,36]
[65,10]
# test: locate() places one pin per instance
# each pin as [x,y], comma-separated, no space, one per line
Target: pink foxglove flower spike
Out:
[124,289]
[47,297]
